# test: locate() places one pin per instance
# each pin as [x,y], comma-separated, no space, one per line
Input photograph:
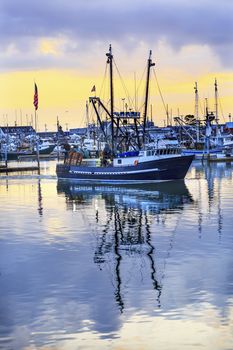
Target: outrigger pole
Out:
[95,100]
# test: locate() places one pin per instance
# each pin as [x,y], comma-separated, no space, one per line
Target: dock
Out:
[6,169]
[41,157]
[221,159]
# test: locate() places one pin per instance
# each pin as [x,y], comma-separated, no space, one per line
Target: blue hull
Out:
[167,169]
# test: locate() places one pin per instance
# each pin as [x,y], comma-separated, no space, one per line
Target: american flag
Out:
[35,102]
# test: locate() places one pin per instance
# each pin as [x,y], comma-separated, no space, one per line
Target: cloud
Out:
[83,24]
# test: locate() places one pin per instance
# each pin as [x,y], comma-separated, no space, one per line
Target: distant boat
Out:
[136,165]
[15,155]
[199,153]
[225,156]
[45,148]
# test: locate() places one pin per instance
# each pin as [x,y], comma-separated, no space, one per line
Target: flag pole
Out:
[35,102]
[35,121]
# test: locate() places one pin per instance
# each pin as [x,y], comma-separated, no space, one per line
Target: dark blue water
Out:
[137,267]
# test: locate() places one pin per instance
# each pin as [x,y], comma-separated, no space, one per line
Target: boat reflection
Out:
[154,198]
[129,212]
[217,176]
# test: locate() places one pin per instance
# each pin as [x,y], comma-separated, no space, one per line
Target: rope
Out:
[104,78]
[139,87]
[123,84]
[221,110]
[160,93]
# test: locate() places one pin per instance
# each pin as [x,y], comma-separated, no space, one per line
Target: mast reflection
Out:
[128,214]
[150,255]
[215,175]
[40,204]
[118,232]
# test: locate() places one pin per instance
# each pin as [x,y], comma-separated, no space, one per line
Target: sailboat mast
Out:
[216,99]
[149,65]
[109,61]
[196,101]
[87,120]
[196,110]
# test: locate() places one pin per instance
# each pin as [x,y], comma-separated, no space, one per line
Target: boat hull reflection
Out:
[160,196]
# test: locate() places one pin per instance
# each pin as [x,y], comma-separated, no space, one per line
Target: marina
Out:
[125,147]
[116,175]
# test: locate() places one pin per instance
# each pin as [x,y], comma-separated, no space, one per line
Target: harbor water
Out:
[117,267]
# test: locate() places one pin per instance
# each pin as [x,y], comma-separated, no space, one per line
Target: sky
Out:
[61,45]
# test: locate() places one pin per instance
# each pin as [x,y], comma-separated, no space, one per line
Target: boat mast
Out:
[167,115]
[87,120]
[216,109]
[149,65]
[196,110]
[109,61]
[216,99]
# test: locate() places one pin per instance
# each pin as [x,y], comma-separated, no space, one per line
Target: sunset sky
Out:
[61,45]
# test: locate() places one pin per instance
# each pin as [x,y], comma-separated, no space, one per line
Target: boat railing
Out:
[163,151]
[73,158]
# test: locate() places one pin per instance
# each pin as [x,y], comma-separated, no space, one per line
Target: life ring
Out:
[136,162]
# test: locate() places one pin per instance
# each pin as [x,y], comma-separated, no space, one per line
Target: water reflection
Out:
[216,175]
[130,212]
[40,205]
[153,198]
[102,267]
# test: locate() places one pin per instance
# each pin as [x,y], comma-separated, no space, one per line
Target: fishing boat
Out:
[146,166]
[137,164]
